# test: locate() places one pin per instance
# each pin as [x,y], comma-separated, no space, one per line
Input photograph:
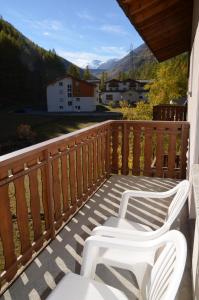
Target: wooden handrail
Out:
[43,186]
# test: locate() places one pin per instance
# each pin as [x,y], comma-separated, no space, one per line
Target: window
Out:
[61,99]
[69,90]
[70,103]
[77,107]
[109,97]
[61,107]
[61,92]
[140,97]
[60,83]
[77,99]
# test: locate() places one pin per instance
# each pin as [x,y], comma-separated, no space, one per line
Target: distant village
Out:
[68,94]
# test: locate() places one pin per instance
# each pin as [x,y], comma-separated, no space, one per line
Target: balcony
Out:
[170,112]
[57,191]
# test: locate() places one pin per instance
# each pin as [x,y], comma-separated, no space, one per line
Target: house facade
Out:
[69,94]
[96,82]
[129,90]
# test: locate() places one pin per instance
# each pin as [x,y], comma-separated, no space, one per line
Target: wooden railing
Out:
[140,148]
[43,186]
[170,112]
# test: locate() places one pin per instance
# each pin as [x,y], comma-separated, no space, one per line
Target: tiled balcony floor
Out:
[64,253]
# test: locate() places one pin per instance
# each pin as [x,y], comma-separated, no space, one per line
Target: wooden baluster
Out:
[90,163]
[35,203]
[136,149]
[72,176]
[99,157]
[56,190]
[85,167]
[65,183]
[6,229]
[22,213]
[184,149]
[107,150]
[103,141]
[172,152]
[95,159]
[47,194]
[159,151]
[147,151]
[79,173]
[115,144]
[125,149]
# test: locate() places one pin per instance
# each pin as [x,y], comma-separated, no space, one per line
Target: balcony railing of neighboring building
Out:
[43,186]
[170,112]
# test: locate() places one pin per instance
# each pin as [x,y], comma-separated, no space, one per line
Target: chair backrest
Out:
[178,201]
[166,274]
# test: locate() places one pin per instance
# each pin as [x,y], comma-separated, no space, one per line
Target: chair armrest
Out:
[143,194]
[94,243]
[119,233]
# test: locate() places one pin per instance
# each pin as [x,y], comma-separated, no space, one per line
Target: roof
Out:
[69,76]
[165,26]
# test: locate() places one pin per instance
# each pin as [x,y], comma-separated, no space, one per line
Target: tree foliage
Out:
[73,71]
[25,68]
[87,74]
[170,82]
[103,79]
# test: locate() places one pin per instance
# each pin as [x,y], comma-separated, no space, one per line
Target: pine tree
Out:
[103,79]
[73,71]
[87,74]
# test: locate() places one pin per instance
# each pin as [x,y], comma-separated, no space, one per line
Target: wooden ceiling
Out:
[165,25]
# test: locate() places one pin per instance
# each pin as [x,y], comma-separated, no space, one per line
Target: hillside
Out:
[25,68]
[140,58]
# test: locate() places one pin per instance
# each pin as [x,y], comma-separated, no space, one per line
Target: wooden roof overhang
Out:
[165,25]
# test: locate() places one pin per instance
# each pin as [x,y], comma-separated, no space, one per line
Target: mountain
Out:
[137,58]
[108,65]
[95,64]
[26,68]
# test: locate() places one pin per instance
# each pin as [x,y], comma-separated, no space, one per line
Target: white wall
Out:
[58,100]
[193,118]
[193,89]
[195,256]
[116,97]
[193,99]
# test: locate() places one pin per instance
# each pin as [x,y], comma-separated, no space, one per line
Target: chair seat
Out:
[126,224]
[75,287]
[122,258]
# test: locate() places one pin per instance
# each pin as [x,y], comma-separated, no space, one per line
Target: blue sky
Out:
[79,30]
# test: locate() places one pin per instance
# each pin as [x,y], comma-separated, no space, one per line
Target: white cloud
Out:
[85,15]
[46,27]
[113,29]
[82,59]
[114,51]
[46,33]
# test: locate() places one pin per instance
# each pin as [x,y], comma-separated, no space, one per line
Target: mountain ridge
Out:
[133,60]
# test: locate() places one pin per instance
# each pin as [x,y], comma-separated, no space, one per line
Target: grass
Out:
[44,126]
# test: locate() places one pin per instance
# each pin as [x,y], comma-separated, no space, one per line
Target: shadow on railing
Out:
[43,186]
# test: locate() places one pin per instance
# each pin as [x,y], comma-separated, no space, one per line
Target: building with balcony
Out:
[68,94]
[129,90]
[54,193]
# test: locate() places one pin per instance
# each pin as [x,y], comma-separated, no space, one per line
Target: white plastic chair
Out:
[161,282]
[121,227]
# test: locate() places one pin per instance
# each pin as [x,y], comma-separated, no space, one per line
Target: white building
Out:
[129,90]
[68,94]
